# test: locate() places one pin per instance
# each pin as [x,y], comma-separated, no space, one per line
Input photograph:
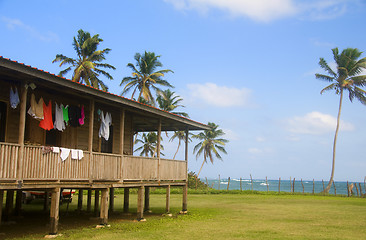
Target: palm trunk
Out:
[203,163]
[177,150]
[326,190]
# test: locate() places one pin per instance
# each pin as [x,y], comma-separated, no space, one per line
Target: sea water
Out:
[286,185]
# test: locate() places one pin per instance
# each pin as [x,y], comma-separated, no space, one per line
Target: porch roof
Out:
[145,117]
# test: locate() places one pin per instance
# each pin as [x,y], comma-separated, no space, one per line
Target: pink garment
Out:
[81,120]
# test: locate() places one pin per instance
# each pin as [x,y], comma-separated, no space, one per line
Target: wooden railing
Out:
[38,165]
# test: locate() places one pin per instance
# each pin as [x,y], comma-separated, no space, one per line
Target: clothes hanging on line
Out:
[36,109]
[65,110]
[47,122]
[59,123]
[82,116]
[74,116]
[106,122]
[65,152]
[14,97]
[77,154]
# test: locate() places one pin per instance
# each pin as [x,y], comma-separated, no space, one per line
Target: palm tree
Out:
[181,135]
[210,144]
[346,78]
[87,66]
[168,101]
[145,77]
[149,144]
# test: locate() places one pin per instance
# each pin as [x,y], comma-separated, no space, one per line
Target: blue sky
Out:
[246,65]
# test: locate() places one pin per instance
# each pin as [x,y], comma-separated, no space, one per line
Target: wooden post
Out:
[356,189]
[335,189]
[364,184]
[147,199]
[140,203]
[89,201]
[9,204]
[158,148]
[90,142]
[313,186]
[96,203]
[167,205]
[279,185]
[323,185]
[251,179]
[348,194]
[290,185]
[186,152]
[18,203]
[126,200]
[359,184]
[80,200]
[293,186]
[241,189]
[1,203]
[207,182]
[121,142]
[22,117]
[267,184]
[185,193]
[54,213]
[228,184]
[104,206]
[111,200]
[303,189]
[46,203]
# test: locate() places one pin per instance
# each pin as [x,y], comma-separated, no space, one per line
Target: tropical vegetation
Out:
[169,101]
[145,77]
[181,136]
[149,144]
[87,66]
[346,77]
[210,144]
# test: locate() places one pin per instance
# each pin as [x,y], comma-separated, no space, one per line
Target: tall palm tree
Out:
[210,144]
[346,78]
[168,101]
[149,144]
[181,135]
[145,76]
[87,66]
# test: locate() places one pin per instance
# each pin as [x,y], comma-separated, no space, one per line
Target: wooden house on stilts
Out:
[82,154]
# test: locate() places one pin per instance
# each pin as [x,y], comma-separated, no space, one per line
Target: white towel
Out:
[74,154]
[65,152]
[55,149]
[80,154]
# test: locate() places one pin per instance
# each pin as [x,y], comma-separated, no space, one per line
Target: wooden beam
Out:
[80,200]
[186,152]
[89,201]
[167,206]
[104,207]
[9,204]
[18,203]
[140,203]
[121,141]
[90,138]
[159,147]
[96,203]
[46,203]
[54,213]
[111,200]
[22,117]
[147,200]
[1,203]
[184,207]
[126,200]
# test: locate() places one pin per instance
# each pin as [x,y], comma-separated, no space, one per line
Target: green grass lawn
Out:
[211,216]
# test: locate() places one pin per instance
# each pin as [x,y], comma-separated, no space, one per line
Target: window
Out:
[107,146]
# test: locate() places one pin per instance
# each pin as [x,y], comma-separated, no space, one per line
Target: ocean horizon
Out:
[286,186]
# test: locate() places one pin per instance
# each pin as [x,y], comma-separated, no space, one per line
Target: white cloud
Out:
[255,151]
[269,10]
[14,24]
[260,139]
[230,135]
[315,123]
[220,96]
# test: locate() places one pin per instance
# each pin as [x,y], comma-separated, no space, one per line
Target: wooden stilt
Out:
[96,203]
[1,203]
[126,200]
[54,213]
[111,200]
[89,201]
[80,200]
[18,203]
[104,207]
[147,199]
[167,208]
[9,204]
[22,118]
[46,202]
[184,207]
[140,203]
